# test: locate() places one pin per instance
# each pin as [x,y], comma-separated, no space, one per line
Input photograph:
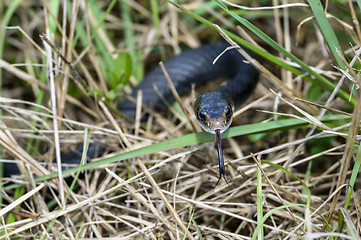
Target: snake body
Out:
[190,67]
[195,66]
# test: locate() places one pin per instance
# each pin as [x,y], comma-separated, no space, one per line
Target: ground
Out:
[292,153]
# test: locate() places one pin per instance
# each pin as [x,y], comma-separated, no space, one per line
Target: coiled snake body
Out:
[213,110]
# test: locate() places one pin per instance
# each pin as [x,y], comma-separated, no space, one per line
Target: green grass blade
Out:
[305,187]
[189,224]
[130,41]
[155,16]
[351,229]
[196,138]
[353,177]
[102,19]
[104,57]
[326,30]
[240,41]
[320,81]
[52,222]
[259,201]
[53,15]
[291,175]
[268,214]
[197,228]
[4,21]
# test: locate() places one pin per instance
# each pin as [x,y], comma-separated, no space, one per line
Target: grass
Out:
[158,179]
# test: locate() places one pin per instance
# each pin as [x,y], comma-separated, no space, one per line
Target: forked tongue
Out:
[220,156]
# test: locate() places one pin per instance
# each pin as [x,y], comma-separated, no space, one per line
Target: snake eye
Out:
[201,115]
[228,112]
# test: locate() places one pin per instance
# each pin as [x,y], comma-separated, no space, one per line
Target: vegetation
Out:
[292,155]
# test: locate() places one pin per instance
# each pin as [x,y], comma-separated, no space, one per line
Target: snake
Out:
[213,110]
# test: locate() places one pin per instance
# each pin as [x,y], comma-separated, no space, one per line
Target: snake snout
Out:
[216,123]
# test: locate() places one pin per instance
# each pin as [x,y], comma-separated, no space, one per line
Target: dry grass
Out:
[49,106]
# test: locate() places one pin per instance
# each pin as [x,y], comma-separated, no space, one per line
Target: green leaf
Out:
[96,92]
[121,71]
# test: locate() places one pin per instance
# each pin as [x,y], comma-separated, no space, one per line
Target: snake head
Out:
[214,110]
